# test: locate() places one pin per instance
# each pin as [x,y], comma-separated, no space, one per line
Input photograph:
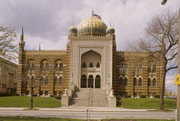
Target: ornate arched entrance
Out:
[91,70]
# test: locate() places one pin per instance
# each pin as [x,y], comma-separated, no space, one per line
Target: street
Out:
[92,114]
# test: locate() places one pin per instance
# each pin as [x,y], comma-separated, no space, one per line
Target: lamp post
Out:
[178,86]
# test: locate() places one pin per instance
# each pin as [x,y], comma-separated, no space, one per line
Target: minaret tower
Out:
[20,65]
[21,47]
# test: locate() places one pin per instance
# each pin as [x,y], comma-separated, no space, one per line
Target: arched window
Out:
[46,80]
[31,65]
[90,81]
[135,81]
[55,80]
[149,81]
[32,79]
[60,80]
[140,82]
[61,67]
[120,82]
[154,82]
[98,65]
[44,65]
[91,65]
[83,81]
[125,81]
[84,65]
[154,68]
[98,81]
[149,68]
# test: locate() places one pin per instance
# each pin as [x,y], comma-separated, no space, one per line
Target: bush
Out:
[58,97]
[118,100]
[143,96]
[157,96]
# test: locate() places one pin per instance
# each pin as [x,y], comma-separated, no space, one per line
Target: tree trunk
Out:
[31,101]
[162,88]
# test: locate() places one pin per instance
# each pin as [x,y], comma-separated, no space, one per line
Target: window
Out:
[154,68]
[123,69]
[84,65]
[3,85]
[44,65]
[149,69]
[58,65]
[135,81]
[120,69]
[60,80]
[138,69]
[98,65]
[125,81]
[91,65]
[154,82]
[46,80]
[83,81]
[30,65]
[61,67]
[149,81]
[46,93]
[56,80]
[120,81]
[140,82]
[40,92]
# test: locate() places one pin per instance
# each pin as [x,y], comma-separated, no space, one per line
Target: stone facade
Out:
[91,60]
[7,77]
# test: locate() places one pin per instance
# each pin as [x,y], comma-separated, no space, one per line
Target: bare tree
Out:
[161,38]
[7,39]
[32,82]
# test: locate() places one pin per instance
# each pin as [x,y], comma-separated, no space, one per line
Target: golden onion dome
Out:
[92,26]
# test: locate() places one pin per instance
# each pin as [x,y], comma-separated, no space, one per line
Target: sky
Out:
[47,22]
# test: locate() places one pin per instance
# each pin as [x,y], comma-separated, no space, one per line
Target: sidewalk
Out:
[80,109]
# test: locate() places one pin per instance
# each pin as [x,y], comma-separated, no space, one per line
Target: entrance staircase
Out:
[90,97]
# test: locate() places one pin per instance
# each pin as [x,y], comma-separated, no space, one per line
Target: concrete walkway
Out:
[83,109]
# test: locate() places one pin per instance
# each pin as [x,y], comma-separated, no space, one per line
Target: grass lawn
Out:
[145,103]
[60,119]
[24,101]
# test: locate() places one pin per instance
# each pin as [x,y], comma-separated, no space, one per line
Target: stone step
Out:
[91,97]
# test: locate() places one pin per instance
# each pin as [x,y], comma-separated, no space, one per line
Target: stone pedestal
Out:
[64,101]
[112,101]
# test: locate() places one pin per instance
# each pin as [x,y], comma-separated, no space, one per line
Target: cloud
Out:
[50,19]
[170,83]
[47,21]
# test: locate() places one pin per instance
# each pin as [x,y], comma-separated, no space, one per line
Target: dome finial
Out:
[92,12]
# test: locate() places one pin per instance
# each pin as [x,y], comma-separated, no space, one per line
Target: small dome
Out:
[92,26]
[73,29]
[110,30]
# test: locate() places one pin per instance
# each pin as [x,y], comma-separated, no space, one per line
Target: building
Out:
[91,60]
[7,77]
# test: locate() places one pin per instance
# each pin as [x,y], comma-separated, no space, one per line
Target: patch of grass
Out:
[145,103]
[24,101]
